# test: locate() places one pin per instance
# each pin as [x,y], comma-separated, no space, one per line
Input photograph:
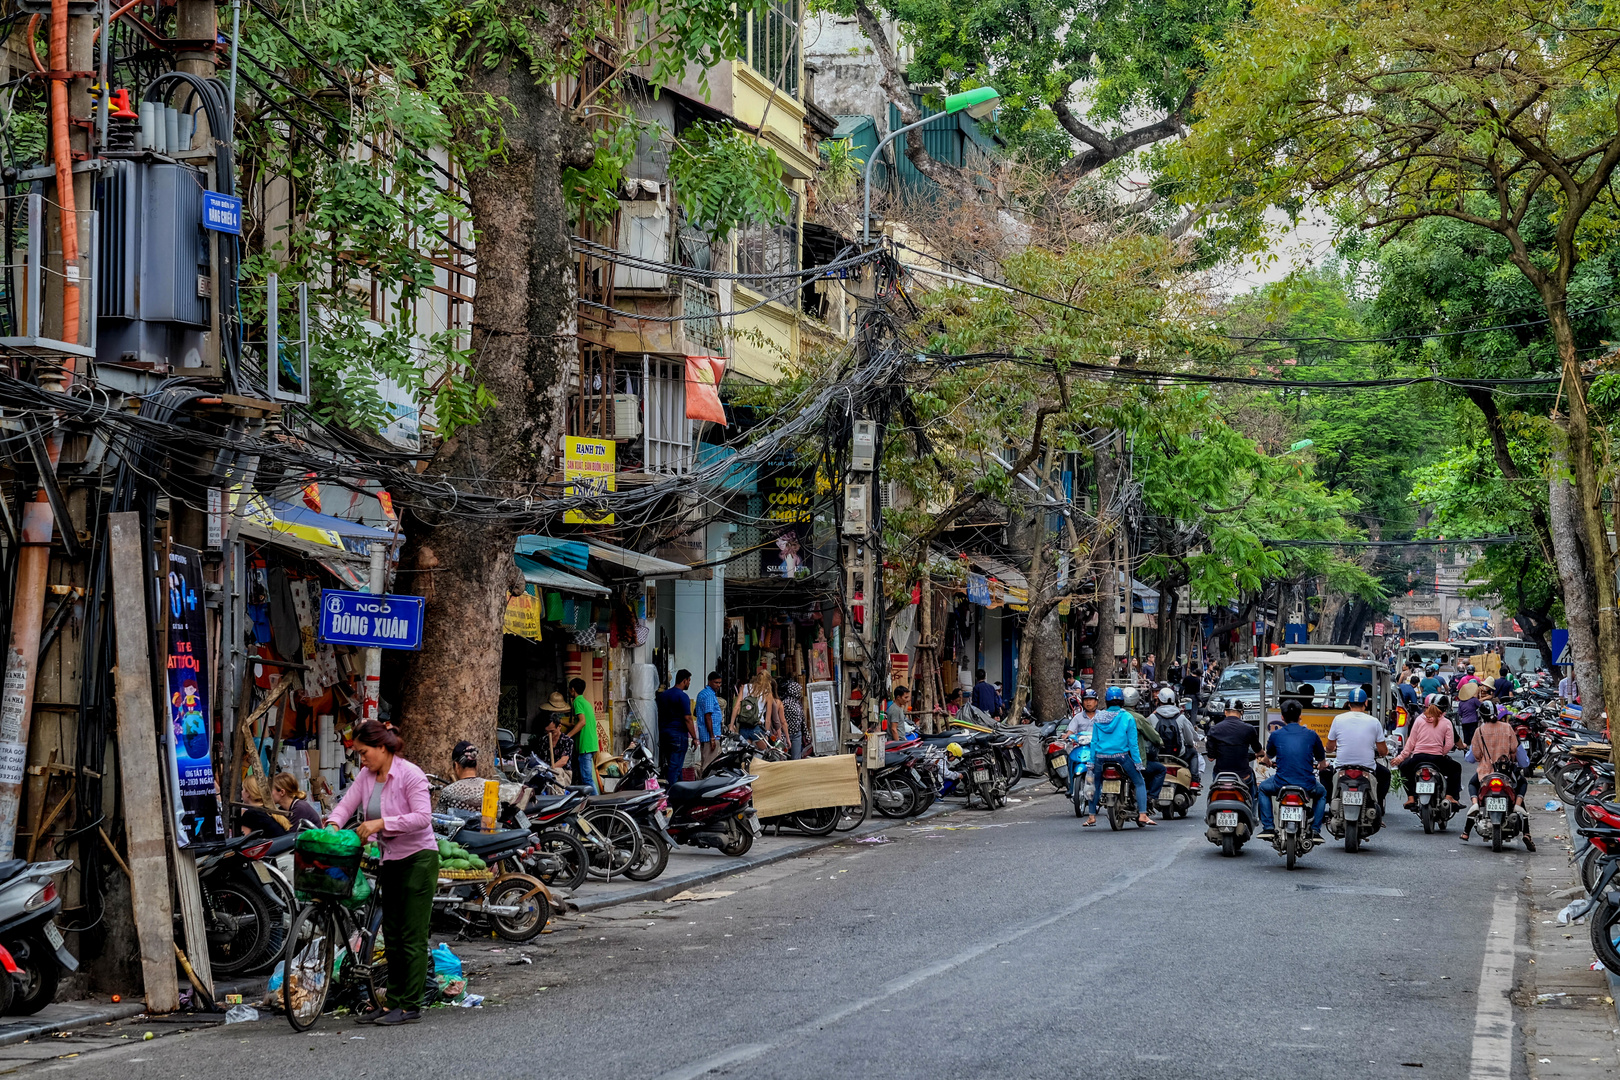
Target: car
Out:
[1240,683]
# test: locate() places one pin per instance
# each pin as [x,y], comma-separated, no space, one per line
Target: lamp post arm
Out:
[866,200]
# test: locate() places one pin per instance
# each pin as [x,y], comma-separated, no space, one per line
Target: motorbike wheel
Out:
[237,920]
[1605,919]
[1079,805]
[818,822]
[903,796]
[925,797]
[40,975]
[652,860]
[1116,816]
[1229,845]
[741,840]
[533,913]
[1591,869]
[1352,837]
[307,963]
[283,906]
[571,863]
[852,817]
[1291,849]
[1496,838]
[1426,816]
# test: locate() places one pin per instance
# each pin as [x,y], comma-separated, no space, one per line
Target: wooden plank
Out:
[786,786]
[192,917]
[144,808]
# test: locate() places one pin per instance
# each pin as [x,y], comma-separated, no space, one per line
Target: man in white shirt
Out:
[1357,738]
[1567,688]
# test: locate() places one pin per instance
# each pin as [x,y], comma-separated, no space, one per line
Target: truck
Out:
[1424,627]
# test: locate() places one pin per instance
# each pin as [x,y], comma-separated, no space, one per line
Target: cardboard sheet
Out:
[784,787]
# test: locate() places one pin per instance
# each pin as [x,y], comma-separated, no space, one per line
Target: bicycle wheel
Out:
[568,862]
[307,966]
[622,842]
[818,822]
[651,861]
[852,817]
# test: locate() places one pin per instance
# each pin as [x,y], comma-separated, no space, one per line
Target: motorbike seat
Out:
[10,868]
[481,843]
[281,845]
[692,790]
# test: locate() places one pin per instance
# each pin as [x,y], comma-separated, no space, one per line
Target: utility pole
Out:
[369,689]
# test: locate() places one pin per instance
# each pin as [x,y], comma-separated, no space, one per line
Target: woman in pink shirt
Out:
[1430,739]
[395,805]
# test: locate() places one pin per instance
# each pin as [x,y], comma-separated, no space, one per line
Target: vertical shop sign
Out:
[789,496]
[588,469]
[188,693]
[823,716]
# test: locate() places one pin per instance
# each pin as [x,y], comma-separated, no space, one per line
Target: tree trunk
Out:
[523,324]
[1109,481]
[1575,581]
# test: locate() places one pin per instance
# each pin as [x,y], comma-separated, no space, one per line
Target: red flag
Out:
[312,493]
[703,374]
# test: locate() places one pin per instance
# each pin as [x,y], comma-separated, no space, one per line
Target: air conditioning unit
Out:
[626,416]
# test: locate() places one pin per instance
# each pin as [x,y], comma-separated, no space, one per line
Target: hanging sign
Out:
[376,622]
[189,713]
[589,470]
[978,590]
[222,213]
[523,616]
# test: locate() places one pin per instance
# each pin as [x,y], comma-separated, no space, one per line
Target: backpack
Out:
[748,712]
[1170,732]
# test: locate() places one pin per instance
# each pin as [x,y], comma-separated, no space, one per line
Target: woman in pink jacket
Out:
[1430,739]
[395,805]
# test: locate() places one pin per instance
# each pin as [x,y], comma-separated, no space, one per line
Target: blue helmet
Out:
[1115,696]
[1356,696]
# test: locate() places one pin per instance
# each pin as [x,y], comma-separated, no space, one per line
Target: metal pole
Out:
[373,683]
[866,199]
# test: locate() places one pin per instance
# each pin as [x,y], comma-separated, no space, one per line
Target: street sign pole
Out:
[369,690]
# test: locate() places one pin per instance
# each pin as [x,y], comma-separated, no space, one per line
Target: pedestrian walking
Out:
[586,740]
[793,710]
[748,711]
[677,728]
[710,714]
[395,805]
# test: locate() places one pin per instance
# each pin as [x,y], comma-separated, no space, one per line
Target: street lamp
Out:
[978,103]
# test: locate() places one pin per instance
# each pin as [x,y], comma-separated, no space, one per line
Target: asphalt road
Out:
[1012,944]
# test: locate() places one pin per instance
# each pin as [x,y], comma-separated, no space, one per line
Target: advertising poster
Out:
[188,697]
[789,498]
[588,469]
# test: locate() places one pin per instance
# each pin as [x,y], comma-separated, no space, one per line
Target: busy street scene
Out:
[660,539]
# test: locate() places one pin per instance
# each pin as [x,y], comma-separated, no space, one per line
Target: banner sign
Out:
[523,613]
[189,713]
[588,469]
[376,622]
[978,590]
[789,497]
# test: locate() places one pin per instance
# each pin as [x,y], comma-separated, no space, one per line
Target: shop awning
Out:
[576,553]
[549,577]
[319,536]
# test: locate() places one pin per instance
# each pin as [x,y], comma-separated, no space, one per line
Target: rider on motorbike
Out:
[1170,715]
[1430,738]
[1114,739]
[1148,745]
[1232,742]
[1081,724]
[1496,739]
[1357,738]
[1295,751]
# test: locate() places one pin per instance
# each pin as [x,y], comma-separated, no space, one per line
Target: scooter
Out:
[1354,812]
[715,812]
[1499,814]
[1180,790]
[28,906]
[1433,808]
[1118,795]
[1229,817]
[1291,839]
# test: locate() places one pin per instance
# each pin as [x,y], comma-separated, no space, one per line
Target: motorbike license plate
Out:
[54,935]
[1425,787]
[1167,796]
[981,776]
[1058,762]
[1496,806]
[660,819]
[753,825]
[1291,813]
[1111,787]
[1353,798]
[1226,819]
[262,871]
[1085,738]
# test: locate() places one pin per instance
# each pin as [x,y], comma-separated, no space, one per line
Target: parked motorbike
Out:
[1500,812]
[1229,817]
[515,905]
[981,776]
[32,952]
[1291,837]
[1057,762]
[241,913]
[1354,812]
[1433,808]
[715,812]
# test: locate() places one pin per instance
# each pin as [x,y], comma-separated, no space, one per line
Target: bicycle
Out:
[331,948]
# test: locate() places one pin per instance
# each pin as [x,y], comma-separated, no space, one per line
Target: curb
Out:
[663,890]
[102,1013]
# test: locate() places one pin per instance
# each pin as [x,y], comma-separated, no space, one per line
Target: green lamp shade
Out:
[979,103]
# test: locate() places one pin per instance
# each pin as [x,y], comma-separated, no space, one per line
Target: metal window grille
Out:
[773,44]
[667,431]
[770,249]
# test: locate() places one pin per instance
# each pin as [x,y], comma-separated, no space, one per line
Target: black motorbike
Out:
[243,916]
[1229,815]
[1354,812]
[1293,809]
[1432,807]
[1500,814]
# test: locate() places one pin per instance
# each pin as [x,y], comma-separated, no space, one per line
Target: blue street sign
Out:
[357,618]
[222,213]
[1560,648]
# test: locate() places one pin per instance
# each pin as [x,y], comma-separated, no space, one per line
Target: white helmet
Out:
[1167,696]
[1132,697]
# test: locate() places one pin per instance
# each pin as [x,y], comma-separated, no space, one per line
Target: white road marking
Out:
[745,1052]
[1493,1017]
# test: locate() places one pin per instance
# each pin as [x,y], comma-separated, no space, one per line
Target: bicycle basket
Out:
[326,863]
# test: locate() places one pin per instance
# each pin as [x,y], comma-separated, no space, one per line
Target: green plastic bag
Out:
[362,893]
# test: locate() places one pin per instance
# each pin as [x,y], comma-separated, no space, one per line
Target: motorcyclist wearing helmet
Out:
[1169,713]
[1431,683]
[1357,738]
[1295,751]
[1081,724]
[1114,739]
[1232,743]
[1148,745]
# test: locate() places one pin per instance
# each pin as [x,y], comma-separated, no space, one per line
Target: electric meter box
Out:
[863,452]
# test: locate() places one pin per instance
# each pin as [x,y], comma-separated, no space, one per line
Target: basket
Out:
[467,875]
[326,863]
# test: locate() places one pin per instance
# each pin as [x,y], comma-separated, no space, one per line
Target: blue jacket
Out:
[1114,734]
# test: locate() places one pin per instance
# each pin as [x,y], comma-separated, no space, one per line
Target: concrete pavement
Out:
[1012,944]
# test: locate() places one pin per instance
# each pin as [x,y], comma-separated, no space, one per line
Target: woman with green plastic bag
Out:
[395,805]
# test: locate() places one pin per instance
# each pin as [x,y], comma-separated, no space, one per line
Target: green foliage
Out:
[841,169]
[724,178]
